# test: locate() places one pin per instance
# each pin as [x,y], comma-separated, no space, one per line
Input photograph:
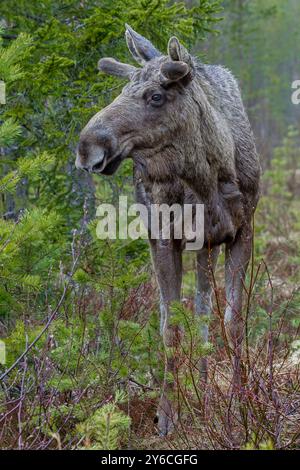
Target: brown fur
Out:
[185,127]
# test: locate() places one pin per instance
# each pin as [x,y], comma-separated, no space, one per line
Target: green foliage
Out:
[19,339]
[253,445]
[106,427]
[25,243]
[11,58]
[31,168]
[25,261]
[9,130]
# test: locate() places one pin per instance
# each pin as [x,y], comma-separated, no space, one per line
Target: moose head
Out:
[149,117]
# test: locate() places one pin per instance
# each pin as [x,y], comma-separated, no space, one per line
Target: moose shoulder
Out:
[184,125]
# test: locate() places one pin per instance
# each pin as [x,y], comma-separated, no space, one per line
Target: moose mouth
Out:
[107,168]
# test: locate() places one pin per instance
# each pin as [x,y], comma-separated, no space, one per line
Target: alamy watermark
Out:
[2,93]
[296,94]
[2,353]
[156,221]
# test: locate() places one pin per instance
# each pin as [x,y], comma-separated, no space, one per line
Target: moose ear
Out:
[178,52]
[118,69]
[174,71]
[141,49]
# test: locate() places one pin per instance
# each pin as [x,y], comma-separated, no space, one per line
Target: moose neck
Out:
[202,151]
[209,156]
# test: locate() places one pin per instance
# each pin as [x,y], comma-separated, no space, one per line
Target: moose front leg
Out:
[206,264]
[167,261]
[237,256]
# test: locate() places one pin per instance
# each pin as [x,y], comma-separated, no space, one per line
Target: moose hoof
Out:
[167,417]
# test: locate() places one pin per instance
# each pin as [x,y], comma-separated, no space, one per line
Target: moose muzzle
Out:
[95,150]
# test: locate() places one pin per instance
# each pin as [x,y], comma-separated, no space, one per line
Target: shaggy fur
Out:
[184,125]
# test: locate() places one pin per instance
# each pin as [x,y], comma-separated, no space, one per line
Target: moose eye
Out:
[156,97]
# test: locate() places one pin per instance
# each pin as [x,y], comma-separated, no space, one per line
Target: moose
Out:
[184,125]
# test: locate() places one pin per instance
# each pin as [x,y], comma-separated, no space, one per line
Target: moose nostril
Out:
[91,141]
[94,149]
